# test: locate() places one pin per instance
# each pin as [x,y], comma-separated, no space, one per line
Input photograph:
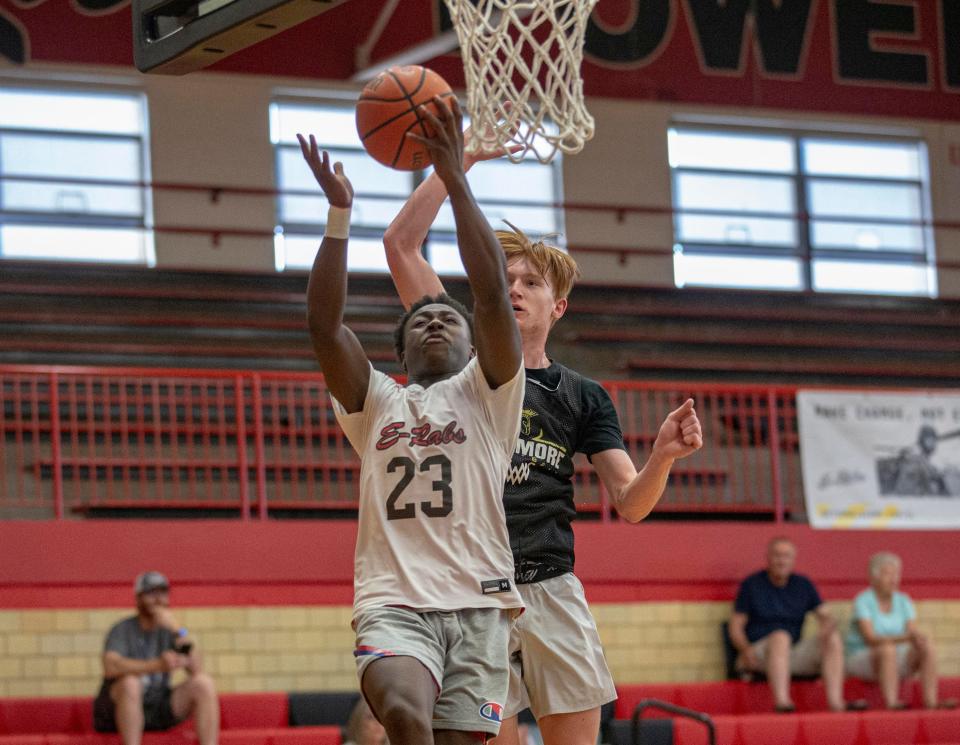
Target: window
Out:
[523,193]
[70,167]
[741,195]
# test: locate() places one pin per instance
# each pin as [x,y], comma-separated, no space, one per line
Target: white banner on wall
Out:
[880,460]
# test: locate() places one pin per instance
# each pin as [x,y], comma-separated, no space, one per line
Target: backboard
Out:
[175,37]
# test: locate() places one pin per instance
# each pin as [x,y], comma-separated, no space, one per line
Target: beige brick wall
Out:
[675,642]
[57,652]
[662,642]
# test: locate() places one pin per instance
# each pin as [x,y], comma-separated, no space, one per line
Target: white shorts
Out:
[556,660]
[860,664]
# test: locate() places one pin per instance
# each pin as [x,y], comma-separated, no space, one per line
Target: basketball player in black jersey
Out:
[557,663]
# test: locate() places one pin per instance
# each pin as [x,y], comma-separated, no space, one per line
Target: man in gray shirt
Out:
[139,654]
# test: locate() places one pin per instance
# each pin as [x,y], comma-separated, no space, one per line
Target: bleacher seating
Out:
[130,316]
[866,728]
[735,697]
[55,314]
[321,708]
[740,713]
[245,719]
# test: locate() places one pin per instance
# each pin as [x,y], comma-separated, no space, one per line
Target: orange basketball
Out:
[387,110]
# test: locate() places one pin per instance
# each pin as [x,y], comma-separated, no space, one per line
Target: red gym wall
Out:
[89,564]
[811,55]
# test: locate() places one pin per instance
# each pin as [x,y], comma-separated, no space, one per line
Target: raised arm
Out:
[635,493]
[345,366]
[412,274]
[497,338]
[403,240]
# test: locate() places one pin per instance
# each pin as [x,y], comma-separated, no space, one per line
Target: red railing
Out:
[76,441]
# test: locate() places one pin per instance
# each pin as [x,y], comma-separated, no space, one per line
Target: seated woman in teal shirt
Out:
[883,643]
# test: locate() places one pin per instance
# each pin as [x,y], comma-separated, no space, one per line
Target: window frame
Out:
[803,219]
[436,237]
[53,218]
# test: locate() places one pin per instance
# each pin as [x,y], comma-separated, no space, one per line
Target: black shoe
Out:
[859,704]
[785,709]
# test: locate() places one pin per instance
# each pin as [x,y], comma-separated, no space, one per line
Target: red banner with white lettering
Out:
[885,57]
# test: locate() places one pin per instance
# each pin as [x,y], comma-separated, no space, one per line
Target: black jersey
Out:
[563,413]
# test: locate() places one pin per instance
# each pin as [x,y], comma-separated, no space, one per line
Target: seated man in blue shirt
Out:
[765,628]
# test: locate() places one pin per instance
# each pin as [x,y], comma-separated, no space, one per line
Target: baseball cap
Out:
[150,581]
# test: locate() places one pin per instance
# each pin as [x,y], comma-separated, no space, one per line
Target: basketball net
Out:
[522,91]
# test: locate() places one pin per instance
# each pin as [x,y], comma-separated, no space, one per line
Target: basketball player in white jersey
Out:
[557,663]
[434,596]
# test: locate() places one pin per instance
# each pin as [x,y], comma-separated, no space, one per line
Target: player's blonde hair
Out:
[558,267]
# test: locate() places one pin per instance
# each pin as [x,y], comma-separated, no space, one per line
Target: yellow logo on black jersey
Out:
[526,426]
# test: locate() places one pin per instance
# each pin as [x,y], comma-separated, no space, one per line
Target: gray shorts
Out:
[556,659]
[465,652]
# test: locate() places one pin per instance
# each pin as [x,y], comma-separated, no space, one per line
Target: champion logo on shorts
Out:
[365,651]
[492,711]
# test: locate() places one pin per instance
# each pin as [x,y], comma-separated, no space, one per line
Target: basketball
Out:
[387,110]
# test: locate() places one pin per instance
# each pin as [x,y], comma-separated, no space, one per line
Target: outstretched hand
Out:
[446,144]
[333,181]
[680,434]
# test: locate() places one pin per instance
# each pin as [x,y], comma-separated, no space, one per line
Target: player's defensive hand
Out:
[333,181]
[680,433]
[446,144]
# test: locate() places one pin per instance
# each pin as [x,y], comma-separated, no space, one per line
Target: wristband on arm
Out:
[338,223]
